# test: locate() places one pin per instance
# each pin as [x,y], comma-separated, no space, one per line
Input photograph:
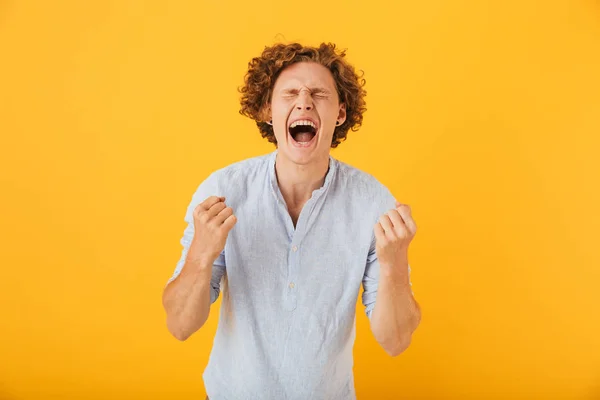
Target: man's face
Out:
[304,109]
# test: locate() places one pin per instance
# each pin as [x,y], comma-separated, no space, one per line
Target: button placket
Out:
[291,289]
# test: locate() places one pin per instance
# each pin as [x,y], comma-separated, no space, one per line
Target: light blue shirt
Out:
[287,321]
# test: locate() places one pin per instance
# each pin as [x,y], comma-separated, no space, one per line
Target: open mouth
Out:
[303,131]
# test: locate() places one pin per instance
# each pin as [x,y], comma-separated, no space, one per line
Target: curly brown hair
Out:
[263,71]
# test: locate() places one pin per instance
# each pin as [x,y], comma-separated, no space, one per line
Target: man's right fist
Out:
[212,222]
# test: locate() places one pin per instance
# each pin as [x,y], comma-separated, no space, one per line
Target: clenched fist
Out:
[394,232]
[212,222]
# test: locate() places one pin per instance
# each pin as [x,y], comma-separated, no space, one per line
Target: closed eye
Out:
[316,93]
[289,93]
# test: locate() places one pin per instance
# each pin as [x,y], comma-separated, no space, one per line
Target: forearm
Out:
[396,314]
[187,299]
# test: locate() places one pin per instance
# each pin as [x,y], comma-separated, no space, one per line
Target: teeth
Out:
[302,122]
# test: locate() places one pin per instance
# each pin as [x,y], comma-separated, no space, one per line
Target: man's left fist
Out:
[393,233]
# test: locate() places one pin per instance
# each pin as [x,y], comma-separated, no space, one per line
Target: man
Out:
[289,237]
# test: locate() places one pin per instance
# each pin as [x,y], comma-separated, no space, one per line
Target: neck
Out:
[296,181]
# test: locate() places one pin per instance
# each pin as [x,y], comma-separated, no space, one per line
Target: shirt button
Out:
[292,285]
[294,248]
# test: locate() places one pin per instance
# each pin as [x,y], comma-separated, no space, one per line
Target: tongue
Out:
[304,137]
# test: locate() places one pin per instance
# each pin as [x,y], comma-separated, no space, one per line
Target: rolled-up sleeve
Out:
[370,281]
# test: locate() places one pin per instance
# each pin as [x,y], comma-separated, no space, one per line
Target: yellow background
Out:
[484,116]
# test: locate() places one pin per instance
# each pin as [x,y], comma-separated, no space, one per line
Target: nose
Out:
[304,101]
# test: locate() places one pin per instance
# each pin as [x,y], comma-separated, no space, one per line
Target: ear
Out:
[342,113]
[265,114]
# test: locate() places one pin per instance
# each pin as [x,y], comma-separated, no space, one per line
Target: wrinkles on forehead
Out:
[307,76]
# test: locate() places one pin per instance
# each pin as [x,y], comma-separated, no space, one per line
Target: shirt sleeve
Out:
[206,189]
[370,279]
